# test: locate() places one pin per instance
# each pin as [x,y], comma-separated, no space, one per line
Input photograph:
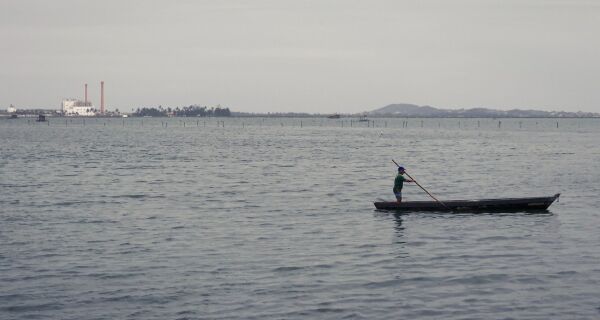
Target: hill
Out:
[412,110]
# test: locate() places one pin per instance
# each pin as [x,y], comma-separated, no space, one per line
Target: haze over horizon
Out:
[332,56]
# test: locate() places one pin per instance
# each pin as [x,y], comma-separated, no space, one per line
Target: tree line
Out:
[190,111]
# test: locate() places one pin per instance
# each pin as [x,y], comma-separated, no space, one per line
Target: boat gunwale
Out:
[500,204]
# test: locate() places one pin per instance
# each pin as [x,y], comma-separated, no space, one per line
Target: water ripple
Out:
[272,221]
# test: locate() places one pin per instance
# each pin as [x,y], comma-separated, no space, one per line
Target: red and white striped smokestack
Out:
[102,97]
[86,94]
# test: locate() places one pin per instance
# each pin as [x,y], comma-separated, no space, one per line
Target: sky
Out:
[316,56]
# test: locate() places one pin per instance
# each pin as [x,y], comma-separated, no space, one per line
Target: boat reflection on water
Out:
[398,226]
[400,217]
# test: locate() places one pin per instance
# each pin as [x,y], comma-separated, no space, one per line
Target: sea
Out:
[273,218]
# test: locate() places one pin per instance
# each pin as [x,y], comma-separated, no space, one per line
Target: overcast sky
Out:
[311,56]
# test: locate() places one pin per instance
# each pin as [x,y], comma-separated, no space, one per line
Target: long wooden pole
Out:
[420,186]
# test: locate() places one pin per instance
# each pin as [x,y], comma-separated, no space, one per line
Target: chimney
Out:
[86,100]
[102,97]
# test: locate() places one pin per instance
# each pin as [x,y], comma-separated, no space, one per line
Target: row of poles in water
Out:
[343,123]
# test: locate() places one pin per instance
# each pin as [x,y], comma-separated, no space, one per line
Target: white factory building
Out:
[74,107]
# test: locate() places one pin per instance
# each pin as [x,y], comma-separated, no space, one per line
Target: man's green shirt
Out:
[398,183]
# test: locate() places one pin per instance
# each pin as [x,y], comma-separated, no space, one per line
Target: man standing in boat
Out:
[399,183]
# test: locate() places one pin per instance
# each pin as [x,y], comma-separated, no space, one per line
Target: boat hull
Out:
[502,205]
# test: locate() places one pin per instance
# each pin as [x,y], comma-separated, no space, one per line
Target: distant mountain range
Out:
[412,110]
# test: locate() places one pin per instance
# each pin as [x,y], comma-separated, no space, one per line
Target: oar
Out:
[420,186]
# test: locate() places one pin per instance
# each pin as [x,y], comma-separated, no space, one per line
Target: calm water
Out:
[268,219]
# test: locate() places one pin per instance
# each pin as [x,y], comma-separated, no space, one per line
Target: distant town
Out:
[84,108]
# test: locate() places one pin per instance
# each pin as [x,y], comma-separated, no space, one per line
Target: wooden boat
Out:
[503,205]
[334,116]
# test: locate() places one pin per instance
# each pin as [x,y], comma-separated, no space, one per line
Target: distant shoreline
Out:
[342,117]
[392,111]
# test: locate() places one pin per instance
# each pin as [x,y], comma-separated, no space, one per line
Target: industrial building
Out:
[74,107]
[85,108]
